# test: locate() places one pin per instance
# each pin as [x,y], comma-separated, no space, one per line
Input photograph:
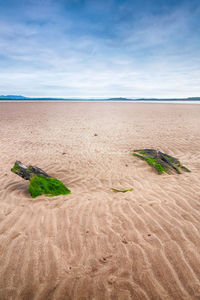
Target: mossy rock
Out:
[161,162]
[15,168]
[40,182]
[27,172]
[40,185]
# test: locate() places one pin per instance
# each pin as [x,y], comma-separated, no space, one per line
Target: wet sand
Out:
[96,244]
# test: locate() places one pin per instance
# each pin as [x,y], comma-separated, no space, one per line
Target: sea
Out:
[101,100]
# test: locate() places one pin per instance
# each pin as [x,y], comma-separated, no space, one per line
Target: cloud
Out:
[53,49]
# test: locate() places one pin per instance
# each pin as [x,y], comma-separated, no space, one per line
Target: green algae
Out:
[185,168]
[122,191]
[161,162]
[15,168]
[176,164]
[48,186]
[152,162]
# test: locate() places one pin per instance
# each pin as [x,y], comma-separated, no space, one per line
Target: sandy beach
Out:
[96,244]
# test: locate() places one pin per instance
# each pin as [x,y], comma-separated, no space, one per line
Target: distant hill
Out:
[120,99]
[13,97]
[19,97]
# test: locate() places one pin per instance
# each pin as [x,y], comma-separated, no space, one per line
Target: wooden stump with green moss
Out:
[160,161]
[40,182]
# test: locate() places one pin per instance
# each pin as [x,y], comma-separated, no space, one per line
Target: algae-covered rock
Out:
[21,170]
[160,161]
[26,172]
[40,182]
[48,186]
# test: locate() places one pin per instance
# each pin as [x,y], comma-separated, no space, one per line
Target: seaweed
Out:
[185,169]
[15,168]
[153,163]
[40,181]
[122,191]
[161,162]
[46,185]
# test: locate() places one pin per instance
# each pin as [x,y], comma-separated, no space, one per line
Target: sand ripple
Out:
[97,244]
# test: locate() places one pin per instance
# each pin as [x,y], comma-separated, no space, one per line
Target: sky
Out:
[100,48]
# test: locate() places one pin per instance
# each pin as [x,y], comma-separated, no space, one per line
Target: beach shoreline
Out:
[190,102]
[95,243]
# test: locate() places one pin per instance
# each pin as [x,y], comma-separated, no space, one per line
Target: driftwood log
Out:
[40,182]
[27,172]
[160,161]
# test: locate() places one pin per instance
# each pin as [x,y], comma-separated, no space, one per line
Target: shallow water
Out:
[118,101]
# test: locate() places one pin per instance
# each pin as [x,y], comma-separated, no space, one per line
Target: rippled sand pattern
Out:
[96,244]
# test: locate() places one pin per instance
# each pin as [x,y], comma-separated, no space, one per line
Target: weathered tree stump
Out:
[160,161]
[26,172]
[40,181]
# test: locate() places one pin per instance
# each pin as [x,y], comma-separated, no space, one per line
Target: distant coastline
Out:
[19,98]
